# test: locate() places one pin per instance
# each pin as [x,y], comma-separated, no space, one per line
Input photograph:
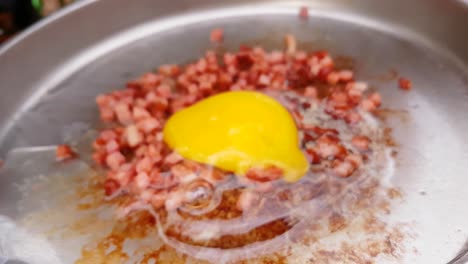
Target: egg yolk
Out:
[237,131]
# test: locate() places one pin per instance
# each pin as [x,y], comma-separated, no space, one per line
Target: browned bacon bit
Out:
[343,168]
[306,105]
[64,152]
[376,99]
[329,146]
[244,61]
[217,35]
[352,117]
[308,137]
[304,13]
[173,158]
[361,143]
[114,160]
[404,84]
[133,136]
[372,102]
[312,155]
[266,174]
[111,186]
[355,91]
[311,92]
[319,131]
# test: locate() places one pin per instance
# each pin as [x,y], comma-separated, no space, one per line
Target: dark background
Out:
[16,15]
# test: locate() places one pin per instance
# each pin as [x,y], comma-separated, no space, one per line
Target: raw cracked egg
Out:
[236,131]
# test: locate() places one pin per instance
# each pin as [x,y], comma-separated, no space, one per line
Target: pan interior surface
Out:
[431,134]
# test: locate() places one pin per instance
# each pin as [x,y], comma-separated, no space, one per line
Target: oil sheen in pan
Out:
[430,168]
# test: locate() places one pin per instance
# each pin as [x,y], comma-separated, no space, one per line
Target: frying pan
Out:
[51,73]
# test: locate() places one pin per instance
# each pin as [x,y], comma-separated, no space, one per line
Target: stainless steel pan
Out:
[50,74]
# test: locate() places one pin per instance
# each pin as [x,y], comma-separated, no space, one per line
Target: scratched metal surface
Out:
[50,75]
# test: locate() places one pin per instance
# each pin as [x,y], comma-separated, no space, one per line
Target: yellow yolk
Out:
[236,131]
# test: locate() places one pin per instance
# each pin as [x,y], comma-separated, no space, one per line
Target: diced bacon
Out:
[217,35]
[404,84]
[106,113]
[323,74]
[372,102]
[164,90]
[345,75]
[361,142]
[368,105]
[311,92]
[304,13]
[169,70]
[133,136]
[173,158]
[356,159]
[376,99]
[353,118]
[343,168]
[99,158]
[111,186]
[114,160]
[320,54]
[319,131]
[141,151]
[333,78]
[264,80]
[142,180]
[64,152]
[355,95]
[328,146]
[144,165]
[102,100]
[308,137]
[124,174]
[306,105]
[313,156]
[358,86]
[112,146]
[201,65]
[149,81]
[154,151]
[148,125]
[183,173]
[123,113]
[269,173]
[159,136]
[108,135]
[140,113]
[339,99]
